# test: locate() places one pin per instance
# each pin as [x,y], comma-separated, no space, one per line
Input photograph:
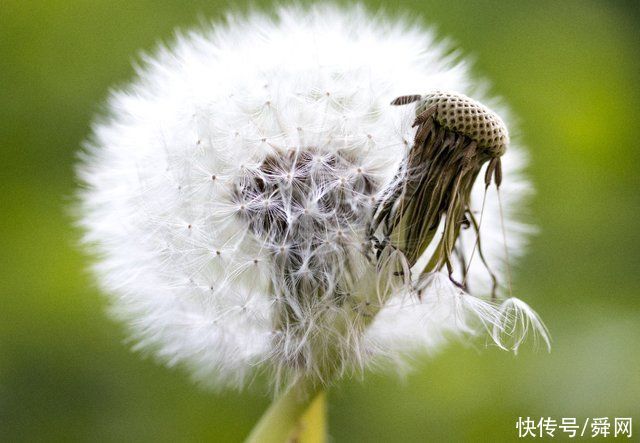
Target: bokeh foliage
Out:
[570,70]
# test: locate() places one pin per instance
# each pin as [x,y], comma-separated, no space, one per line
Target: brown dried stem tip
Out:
[455,136]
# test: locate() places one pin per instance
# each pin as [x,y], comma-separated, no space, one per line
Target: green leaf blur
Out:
[569,69]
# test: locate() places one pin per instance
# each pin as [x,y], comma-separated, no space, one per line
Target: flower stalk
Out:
[298,415]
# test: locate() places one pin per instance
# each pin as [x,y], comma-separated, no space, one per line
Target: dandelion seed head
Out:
[229,192]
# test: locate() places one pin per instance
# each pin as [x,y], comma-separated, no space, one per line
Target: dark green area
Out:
[569,69]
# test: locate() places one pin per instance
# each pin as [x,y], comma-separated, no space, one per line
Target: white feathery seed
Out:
[228,192]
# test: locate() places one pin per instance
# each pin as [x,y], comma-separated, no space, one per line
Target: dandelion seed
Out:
[344,206]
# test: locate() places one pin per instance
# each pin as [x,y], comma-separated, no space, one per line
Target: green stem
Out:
[312,426]
[283,416]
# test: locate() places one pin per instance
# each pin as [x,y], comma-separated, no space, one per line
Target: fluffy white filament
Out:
[174,177]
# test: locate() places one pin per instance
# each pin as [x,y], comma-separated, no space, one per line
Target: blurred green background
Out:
[570,70]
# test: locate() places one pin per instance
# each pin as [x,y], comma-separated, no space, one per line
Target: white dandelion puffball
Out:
[257,204]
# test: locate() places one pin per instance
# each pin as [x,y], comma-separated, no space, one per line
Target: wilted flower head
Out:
[298,195]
